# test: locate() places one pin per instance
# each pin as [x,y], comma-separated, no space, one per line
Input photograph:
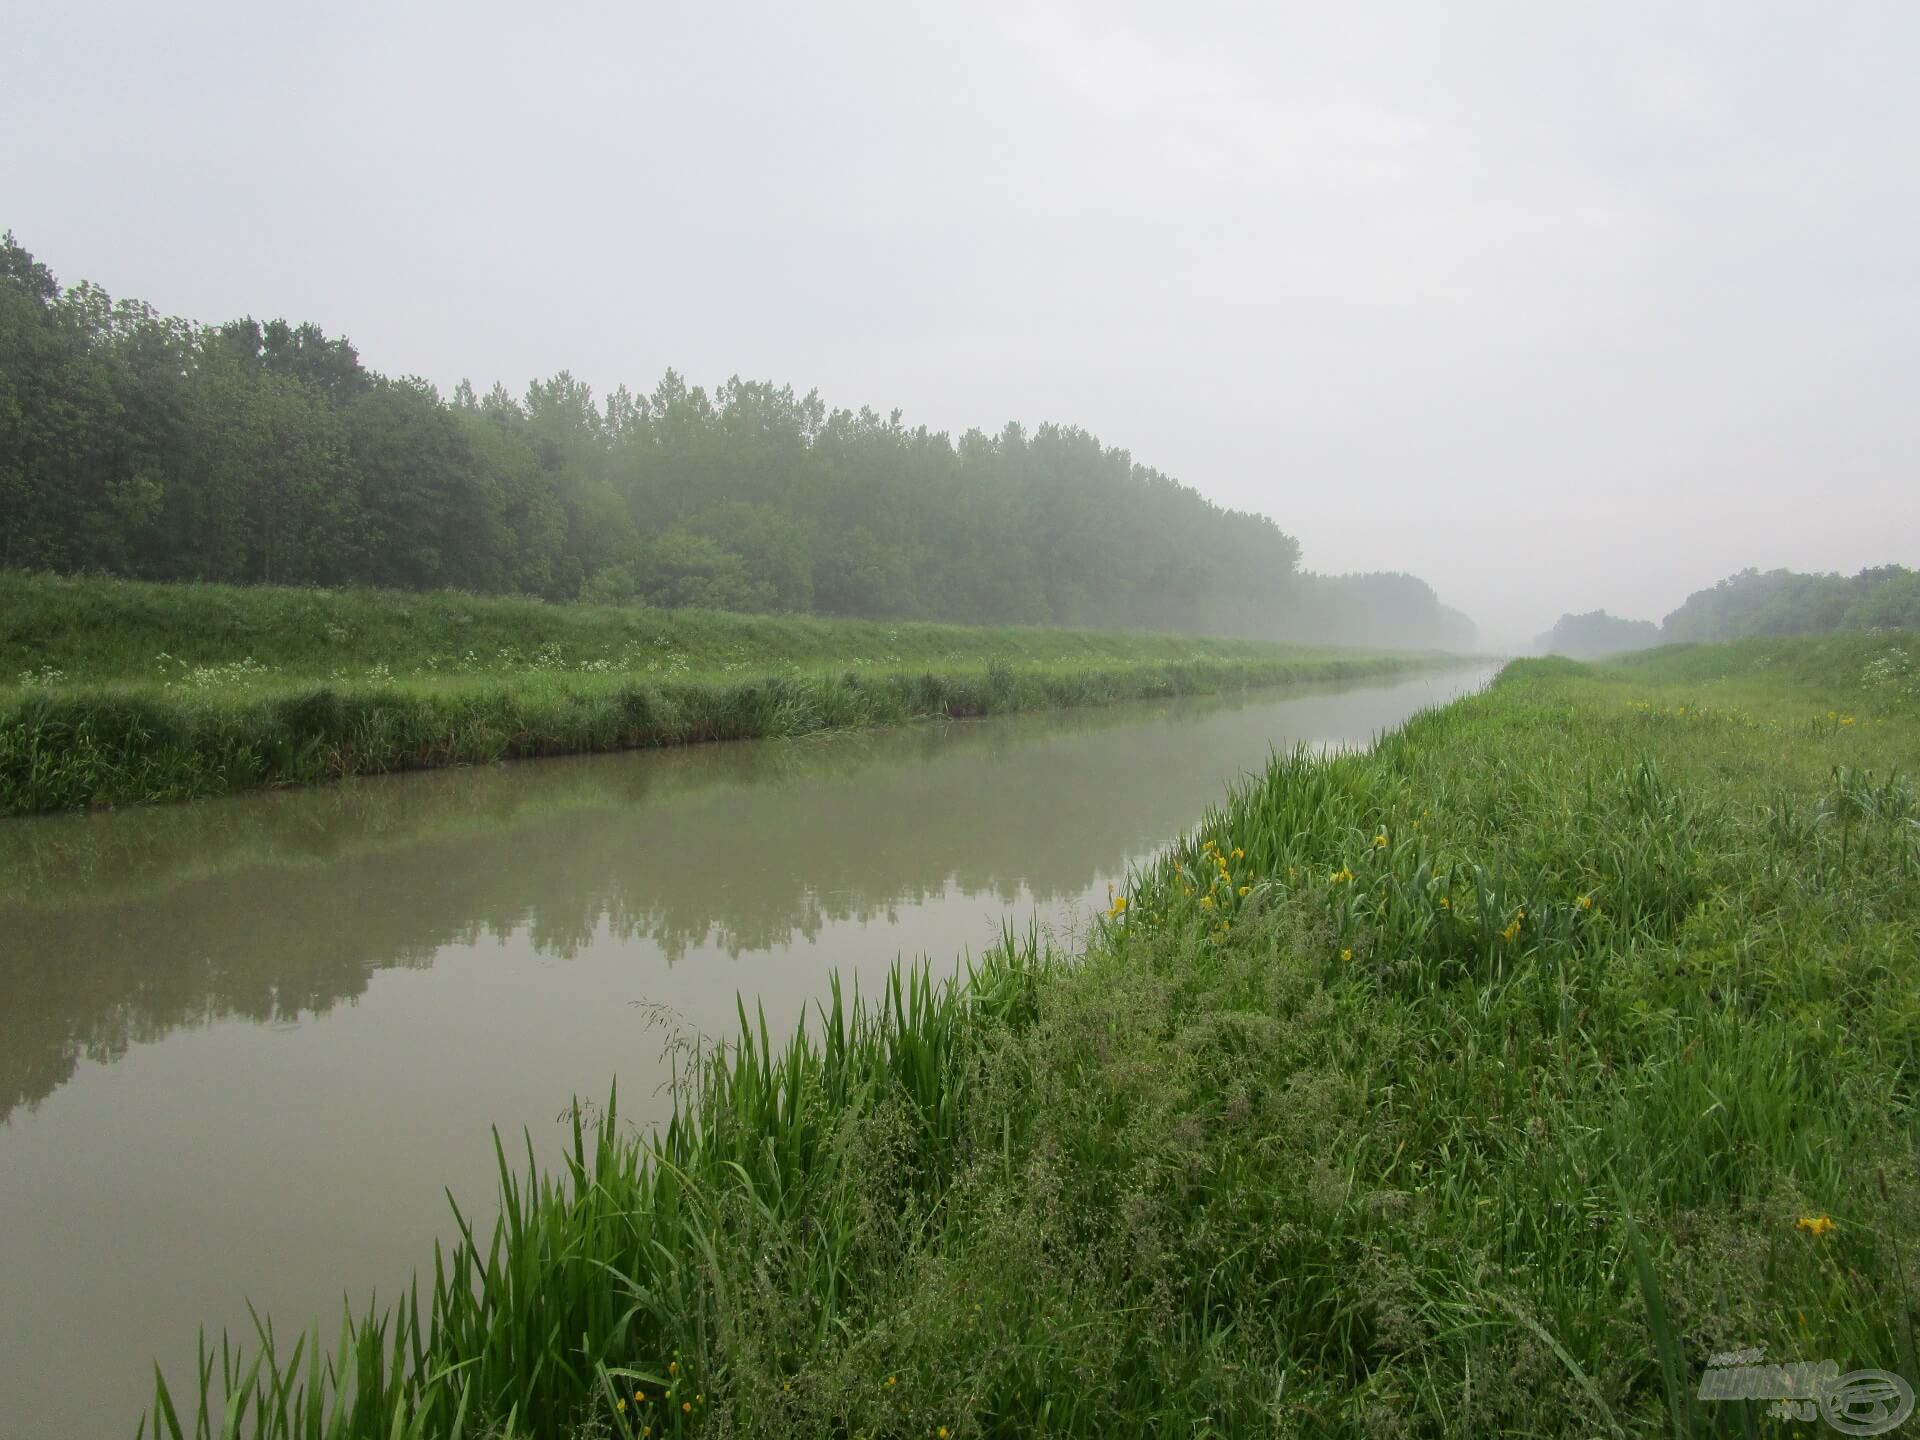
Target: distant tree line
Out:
[1754,602]
[1783,602]
[137,444]
[1589,636]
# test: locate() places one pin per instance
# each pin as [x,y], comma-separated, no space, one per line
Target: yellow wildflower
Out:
[889,1379]
[1817,1226]
[1238,853]
[621,1406]
[1346,954]
[1380,841]
[1340,876]
[639,1397]
[1586,902]
[686,1407]
[1245,890]
[1119,907]
[1206,902]
[1512,932]
[673,1367]
[1445,903]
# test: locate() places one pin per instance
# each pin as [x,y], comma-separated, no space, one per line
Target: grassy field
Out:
[115,692]
[1488,1083]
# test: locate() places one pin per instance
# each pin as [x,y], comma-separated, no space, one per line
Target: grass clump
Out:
[1484,1083]
[126,693]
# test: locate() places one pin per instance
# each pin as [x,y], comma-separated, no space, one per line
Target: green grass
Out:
[1475,1085]
[96,630]
[118,692]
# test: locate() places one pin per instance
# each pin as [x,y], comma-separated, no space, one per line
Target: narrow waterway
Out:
[247,1045]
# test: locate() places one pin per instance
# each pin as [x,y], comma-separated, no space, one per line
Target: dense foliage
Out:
[141,445]
[1784,602]
[1488,1083]
[1589,636]
[1754,602]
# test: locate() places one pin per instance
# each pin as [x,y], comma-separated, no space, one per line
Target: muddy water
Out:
[247,1045]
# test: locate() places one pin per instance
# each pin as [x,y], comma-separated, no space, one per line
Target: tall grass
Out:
[619,1278]
[129,693]
[1484,1083]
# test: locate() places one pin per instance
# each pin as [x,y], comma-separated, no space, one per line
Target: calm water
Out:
[246,1045]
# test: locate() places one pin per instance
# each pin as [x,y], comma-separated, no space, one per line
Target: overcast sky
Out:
[1558,307]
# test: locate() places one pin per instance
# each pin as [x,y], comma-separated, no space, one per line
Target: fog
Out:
[1558,310]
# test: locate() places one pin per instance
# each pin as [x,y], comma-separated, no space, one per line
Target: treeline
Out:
[1783,602]
[136,444]
[1589,636]
[1754,602]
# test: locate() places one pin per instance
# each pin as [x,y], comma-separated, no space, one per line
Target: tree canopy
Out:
[137,444]
[1754,602]
[1785,602]
[1586,637]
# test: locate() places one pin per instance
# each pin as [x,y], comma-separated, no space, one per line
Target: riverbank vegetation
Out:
[142,445]
[1487,1082]
[118,692]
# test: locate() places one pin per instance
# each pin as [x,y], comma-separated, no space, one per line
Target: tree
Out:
[1589,636]
[685,569]
[1784,602]
[267,452]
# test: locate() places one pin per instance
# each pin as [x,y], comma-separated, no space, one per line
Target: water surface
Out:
[246,1045]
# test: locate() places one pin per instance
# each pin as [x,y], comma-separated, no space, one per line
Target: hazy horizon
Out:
[1558,314]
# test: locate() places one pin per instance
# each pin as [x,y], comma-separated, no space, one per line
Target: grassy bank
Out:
[117,692]
[1486,1083]
[89,631]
